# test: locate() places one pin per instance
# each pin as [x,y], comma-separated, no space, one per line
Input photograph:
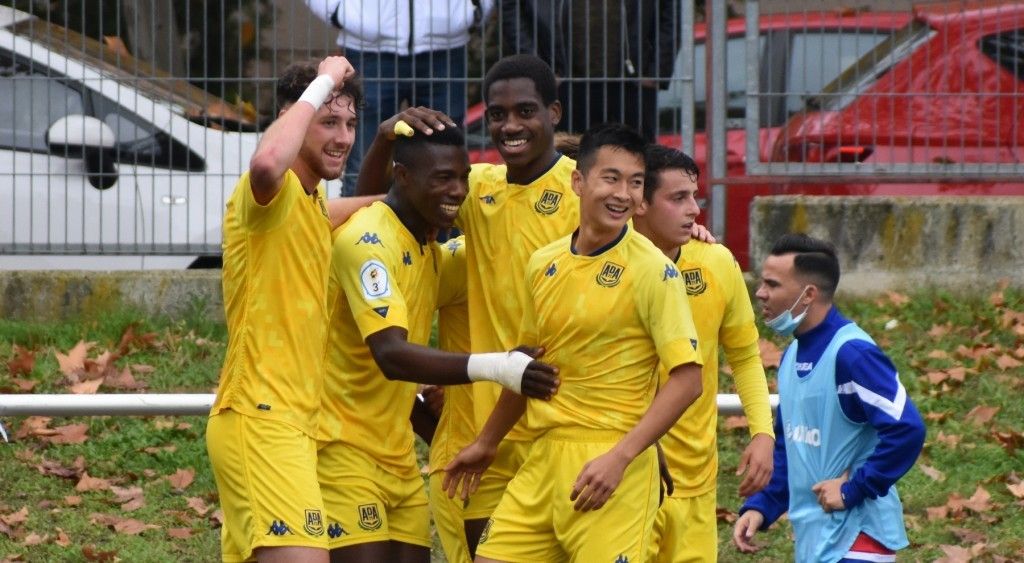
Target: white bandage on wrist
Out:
[317,91]
[504,368]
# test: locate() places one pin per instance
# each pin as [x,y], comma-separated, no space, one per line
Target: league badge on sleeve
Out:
[373,277]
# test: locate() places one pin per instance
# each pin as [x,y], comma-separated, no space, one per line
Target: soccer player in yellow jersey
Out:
[277,237]
[382,291]
[456,427]
[685,529]
[602,304]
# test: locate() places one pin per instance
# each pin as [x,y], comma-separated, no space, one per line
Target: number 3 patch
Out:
[374,278]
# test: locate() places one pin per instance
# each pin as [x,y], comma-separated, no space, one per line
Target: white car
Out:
[105,162]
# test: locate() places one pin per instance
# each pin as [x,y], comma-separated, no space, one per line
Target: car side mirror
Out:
[87,138]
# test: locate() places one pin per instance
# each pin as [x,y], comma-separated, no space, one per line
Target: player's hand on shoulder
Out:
[744,530]
[421,119]
[338,68]
[701,233]
[465,470]
[758,464]
[598,480]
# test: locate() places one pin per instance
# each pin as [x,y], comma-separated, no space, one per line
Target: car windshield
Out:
[195,103]
[852,82]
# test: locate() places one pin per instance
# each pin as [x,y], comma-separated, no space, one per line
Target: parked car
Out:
[101,153]
[800,53]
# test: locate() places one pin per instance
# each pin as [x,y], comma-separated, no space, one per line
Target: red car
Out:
[793,68]
[948,88]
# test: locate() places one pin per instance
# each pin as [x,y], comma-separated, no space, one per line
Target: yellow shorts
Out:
[535,520]
[365,503]
[449,520]
[510,457]
[266,477]
[686,529]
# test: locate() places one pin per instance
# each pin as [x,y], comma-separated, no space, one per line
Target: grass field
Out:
[140,489]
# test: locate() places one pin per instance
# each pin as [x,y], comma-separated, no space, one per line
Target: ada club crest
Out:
[694,280]
[314,522]
[611,274]
[548,202]
[369,517]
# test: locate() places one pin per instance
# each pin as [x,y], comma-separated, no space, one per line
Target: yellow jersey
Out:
[605,320]
[275,286]
[457,427]
[504,224]
[723,316]
[380,277]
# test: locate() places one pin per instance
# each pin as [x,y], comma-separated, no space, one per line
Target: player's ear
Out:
[577,182]
[641,210]
[555,109]
[401,173]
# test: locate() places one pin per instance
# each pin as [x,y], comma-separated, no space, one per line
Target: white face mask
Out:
[786,323]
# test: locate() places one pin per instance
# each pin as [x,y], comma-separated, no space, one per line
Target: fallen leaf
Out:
[25,385]
[938,355]
[72,500]
[938,331]
[15,518]
[87,387]
[979,501]
[23,362]
[124,380]
[897,299]
[130,498]
[997,299]
[158,449]
[69,434]
[217,518]
[180,533]
[198,504]
[34,426]
[1010,440]
[936,377]
[954,554]
[34,539]
[1016,490]
[74,362]
[1007,361]
[87,483]
[183,426]
[958,373]
[181,478]
[142,368]
[951,440]
[931,472]
[62,538]
[132,527]
[163,424]
[92,554]
[937,512]
[981,415]
[48,467]
[734,422]
[134,504]
[936,416]
[968,536]
[770,353]
[725,515]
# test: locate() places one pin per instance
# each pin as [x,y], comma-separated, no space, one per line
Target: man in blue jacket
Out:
[845,430]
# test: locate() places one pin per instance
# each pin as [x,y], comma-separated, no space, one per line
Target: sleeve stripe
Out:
[892,408]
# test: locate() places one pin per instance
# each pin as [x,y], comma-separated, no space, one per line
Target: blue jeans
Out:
[435,79]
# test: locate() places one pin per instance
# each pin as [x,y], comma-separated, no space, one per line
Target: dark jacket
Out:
[550,29]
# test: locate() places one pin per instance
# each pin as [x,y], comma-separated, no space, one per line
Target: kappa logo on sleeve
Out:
[373,277]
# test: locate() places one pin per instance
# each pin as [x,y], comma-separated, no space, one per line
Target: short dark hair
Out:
[524,66]
[608,134]
[815,258]
[658,158]
[406,149]
[297,76]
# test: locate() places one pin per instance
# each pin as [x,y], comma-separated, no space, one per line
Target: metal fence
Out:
[124,124]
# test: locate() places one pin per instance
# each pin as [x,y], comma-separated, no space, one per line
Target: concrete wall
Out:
[55,295]
[903,242]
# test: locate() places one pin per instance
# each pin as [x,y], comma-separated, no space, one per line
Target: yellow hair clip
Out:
[403,128]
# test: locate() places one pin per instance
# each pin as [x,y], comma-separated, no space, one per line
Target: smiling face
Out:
[521,126]
[436,183]
[329,138]
[610,190]
[669,217]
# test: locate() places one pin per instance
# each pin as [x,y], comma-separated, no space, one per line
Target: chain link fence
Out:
[124,124]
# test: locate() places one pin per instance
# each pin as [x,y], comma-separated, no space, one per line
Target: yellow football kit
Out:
[456,428]
[275,286]
[606,320]
[504,224]
[723,316]
[380,277]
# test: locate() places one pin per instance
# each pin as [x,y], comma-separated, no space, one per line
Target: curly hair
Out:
[297,76]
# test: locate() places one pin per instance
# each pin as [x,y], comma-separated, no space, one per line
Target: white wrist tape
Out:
[504,368]
[317,91]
